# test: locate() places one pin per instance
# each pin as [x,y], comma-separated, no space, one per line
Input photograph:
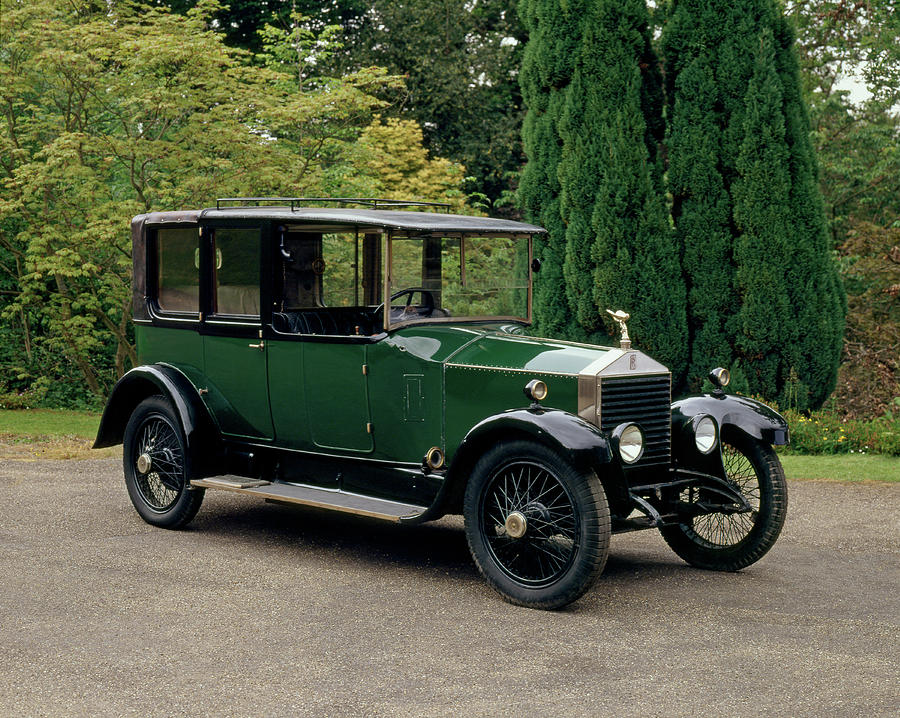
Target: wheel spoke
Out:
[549,544]
[159,441]
[718,530]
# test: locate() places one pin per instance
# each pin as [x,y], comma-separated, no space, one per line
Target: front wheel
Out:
[537,527]
[732,541]
[157,466]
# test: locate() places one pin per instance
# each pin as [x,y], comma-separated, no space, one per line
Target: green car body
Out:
[282,354]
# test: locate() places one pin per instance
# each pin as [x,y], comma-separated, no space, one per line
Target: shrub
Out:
[826,432]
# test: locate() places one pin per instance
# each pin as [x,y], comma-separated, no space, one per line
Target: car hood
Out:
[501,350]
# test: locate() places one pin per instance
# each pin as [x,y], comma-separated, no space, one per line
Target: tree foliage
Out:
[774,309]
[596,184]
[110,110]
[857,138]
[547,67]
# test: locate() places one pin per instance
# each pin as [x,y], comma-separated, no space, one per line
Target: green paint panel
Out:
[519,352]
[337,401]
[473,394]
[287,394]
[181,348]
[238,386]
[405,388]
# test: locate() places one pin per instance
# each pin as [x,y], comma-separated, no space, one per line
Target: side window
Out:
[236,271]
[178,273]
[340,277]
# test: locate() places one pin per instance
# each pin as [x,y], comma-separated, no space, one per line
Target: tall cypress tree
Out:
[620,253]
[594,122]
[546,71]
[746,201]
[702,208]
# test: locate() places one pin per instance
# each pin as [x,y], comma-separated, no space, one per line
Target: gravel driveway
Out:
[265,610]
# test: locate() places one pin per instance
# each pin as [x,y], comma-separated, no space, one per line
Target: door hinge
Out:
[369,428]
[365,369]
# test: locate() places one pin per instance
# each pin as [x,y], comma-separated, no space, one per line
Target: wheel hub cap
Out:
[516,524]
[144,463]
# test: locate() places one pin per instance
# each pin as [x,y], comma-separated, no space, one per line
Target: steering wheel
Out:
[426,310]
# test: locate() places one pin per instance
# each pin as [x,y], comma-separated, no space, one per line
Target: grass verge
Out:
[842,467]
[31,434]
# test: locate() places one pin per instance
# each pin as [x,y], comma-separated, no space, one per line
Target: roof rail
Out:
[297,202]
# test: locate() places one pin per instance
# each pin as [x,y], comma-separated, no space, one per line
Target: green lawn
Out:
[41,425]
[49,422]
[842,467]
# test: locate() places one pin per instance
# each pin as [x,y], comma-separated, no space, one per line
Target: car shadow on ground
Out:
[439,547]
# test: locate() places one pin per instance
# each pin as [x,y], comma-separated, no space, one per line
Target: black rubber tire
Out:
[168,505]
[753,467]
[575,519]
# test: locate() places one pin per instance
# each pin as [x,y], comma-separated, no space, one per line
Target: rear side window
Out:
[178,273]
[236,271]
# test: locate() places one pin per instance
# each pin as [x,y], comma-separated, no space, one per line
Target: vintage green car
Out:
[373,358]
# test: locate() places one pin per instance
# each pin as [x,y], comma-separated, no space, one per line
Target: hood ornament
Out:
[620,318]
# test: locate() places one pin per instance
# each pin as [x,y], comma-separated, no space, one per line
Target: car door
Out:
[317,372]
[234,352]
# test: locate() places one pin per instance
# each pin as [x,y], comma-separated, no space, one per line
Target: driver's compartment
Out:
[335,280]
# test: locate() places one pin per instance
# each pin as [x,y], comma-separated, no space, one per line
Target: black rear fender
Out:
[200,431]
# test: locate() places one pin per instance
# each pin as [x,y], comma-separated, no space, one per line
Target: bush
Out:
[826,432]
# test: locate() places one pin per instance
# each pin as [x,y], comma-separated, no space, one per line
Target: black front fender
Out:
[732,413]
[579,442]
[141,382]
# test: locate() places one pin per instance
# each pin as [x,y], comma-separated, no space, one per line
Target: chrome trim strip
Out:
[220,322]
[507,368]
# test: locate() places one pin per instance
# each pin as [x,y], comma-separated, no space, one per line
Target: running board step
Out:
[315,496]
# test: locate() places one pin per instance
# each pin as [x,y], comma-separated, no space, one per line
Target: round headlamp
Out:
[706,433]
[630,440]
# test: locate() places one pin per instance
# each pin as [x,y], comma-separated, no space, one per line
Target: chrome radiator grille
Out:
[644,400]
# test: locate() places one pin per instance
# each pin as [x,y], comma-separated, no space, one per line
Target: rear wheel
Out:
[157,466]
[537,527]
[732,541]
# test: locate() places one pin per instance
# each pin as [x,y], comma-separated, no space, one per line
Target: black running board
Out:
[305,495]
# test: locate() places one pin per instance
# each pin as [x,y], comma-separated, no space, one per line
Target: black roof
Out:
[387,219]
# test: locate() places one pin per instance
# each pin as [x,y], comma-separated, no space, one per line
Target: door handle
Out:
[260,346]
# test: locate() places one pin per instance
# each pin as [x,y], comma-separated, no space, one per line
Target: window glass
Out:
[339,276]
[178,275]
[472,277]
[236,271]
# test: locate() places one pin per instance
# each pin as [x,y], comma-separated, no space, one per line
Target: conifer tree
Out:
[746,201]
[546,71]
[620,253]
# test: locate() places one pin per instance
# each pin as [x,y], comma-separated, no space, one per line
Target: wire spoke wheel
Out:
[530,522]
[537,526]
[729,540]
[158,448]
[721,529]
[158,466]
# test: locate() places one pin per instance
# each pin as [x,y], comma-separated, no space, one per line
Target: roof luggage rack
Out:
[297,202]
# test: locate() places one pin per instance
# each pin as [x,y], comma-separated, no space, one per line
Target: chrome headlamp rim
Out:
[624,441]
[706,433]
[536,390]
[720,377]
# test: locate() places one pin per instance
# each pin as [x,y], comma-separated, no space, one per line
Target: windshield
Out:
[461,277]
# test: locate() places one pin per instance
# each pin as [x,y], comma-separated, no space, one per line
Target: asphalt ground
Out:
[265,610]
